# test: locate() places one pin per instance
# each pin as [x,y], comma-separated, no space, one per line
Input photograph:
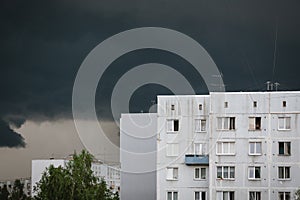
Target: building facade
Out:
[138,137]
[183,147]
[226,146]
[255,145]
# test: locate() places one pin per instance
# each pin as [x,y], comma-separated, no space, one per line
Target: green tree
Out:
[76,181]
[297,195]
[18,191]
[4,193]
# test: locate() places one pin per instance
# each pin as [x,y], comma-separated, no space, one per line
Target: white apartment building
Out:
[183,147]
[111,174]
[228,146]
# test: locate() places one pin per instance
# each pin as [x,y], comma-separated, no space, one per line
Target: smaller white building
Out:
[38,167]
[110,174]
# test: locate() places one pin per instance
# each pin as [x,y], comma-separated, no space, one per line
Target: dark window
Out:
[226,104]
[172,107]
[176,125]
[232,123]
[284,148]
[284,103]
[200,106]
[254,104]
[257,123]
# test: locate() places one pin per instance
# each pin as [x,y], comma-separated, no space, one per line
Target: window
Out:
[284,123]
[226,123]
[254,104]
[200,173]
[254,173]
[254,195]
[226,104]
[226,172]
[172,125]
[284,104]
[200,125]
[225,148]
[172,107]
[284,148]
[172,195]
[199,148]
[200,195]
[200,106]
[284,173]
[225,195]
[172,149]
[172,173]
[254,123]
[284,195]
[255,148]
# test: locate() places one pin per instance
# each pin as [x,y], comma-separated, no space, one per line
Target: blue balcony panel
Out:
[196,159]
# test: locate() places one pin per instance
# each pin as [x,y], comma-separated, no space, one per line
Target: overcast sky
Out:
[43,44]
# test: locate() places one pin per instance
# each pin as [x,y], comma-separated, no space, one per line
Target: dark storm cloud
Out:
[44,42]
[10,138]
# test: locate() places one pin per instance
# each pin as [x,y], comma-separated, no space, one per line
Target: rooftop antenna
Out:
[276,85]
[269,86]
[220,85]
[153,102]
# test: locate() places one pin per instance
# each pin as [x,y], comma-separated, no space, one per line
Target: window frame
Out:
[228,196]
[202,151]
[286,148]
[255,195]
[254,173]
[230,123]
[229,167]
[172,194]
[284,178]
[222,153]
[284,123]
[200,195]
[284,195]
[175,176]
[255,120]
[255,153]
[198,126]
[200,173]
[172,129]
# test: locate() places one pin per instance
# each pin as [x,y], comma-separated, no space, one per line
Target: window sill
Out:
[284,154]
[255,154]
[198,179]
[254,179]
[229,154]
[286,179]
[172,132]
[225,179]
[284,129]
[172,179]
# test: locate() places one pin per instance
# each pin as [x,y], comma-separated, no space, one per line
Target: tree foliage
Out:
[4,193]
[18,191]
[75,181]
[297,195]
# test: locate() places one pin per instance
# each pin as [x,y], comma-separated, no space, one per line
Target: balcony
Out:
[191,159]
